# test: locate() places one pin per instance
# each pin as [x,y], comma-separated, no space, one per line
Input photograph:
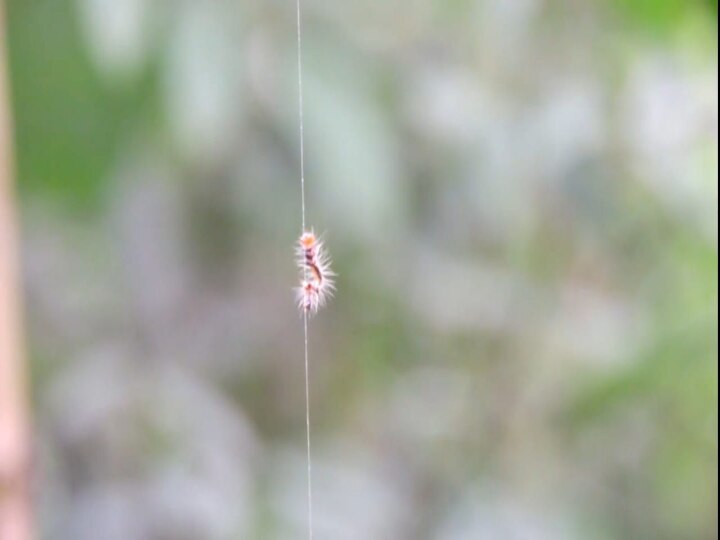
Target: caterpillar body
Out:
[317,282]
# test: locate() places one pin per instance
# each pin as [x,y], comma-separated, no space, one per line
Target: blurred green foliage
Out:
[70,124]
[666,16]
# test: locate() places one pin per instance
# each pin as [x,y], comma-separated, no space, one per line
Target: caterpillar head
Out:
[308,240]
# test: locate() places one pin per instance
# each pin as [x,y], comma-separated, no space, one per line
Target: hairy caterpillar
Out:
[317,284]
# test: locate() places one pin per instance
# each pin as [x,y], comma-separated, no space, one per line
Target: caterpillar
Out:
[317,284]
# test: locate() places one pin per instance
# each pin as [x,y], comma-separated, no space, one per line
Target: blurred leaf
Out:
[664,17]
[68,128]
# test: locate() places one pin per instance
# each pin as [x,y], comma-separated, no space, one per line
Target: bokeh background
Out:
[521,201]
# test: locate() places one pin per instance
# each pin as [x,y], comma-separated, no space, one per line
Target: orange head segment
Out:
[308,240]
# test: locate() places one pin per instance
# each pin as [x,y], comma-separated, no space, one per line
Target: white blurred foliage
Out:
[118,34]
[593,326]
[76,312]
[149,223]
[567,127]
[166,454]
[353,498]
[495,515]
[203,79]
[505,30]
[450,105]
[671,124]
[499,299]
[429,404]
[379,27]
[352,152]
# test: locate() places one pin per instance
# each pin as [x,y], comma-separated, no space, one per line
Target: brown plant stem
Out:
[15,518]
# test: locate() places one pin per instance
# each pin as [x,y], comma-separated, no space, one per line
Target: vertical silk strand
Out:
[305,314]
[307,425]
[301,115]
